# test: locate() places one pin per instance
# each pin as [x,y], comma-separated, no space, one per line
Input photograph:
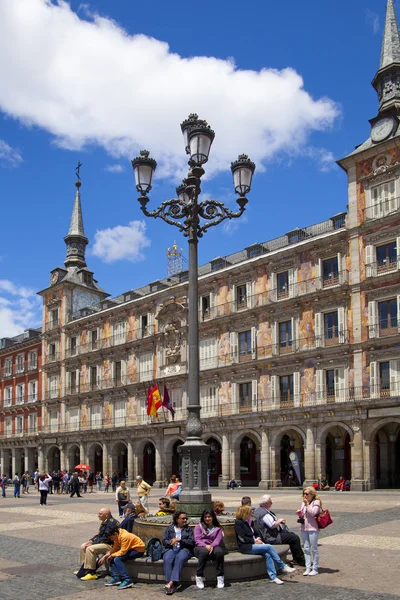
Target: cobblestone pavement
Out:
[358,553]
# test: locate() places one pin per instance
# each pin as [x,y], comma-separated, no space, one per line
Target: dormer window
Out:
[87,278]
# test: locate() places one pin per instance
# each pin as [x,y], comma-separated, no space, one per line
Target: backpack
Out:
[154,549]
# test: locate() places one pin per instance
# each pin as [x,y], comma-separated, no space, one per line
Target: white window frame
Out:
[394,375]
[382,199]
[373,316]
[8,395]
[208,349]
[119,413]
[119,333]
[73,419]
[19,363]
[146,366]
[8,366]
[32,394]
[96,418]
[20,393]
[33,359]
[32,423]
[209,400]
[19,425]
[53,419]
[53,386]
[8,425]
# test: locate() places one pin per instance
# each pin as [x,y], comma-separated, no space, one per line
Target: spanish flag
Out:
[153,401]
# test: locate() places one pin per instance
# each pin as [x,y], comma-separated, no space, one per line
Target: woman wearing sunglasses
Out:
[310,509]
[178,542]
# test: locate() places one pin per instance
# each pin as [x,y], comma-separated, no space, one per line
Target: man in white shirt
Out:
[275,531]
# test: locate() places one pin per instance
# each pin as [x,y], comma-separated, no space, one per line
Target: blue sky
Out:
[287,83]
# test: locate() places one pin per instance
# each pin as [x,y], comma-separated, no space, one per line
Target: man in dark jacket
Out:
[274,531]
[129,517]
[75,485]
[99,544]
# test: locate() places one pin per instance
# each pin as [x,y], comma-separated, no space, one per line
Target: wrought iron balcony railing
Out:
[381,209]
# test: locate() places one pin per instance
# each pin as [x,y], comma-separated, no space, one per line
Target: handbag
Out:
[323,519]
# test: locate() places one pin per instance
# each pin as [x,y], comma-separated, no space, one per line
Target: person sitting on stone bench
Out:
[208,536]
[274,531]
[178,542]
[97,545]
[126,546]
[164,507]
[249,542]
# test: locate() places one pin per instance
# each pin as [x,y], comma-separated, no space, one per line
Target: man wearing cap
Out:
[274,530]
[129,517]
[143,492]
[126,546]
[98,544]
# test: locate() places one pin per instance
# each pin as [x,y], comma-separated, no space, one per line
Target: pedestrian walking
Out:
[114,481]
[90,481]
[4,484]
[106,483]
[310,509]
[99,480]
[75,485]
[17,486]
[44,484]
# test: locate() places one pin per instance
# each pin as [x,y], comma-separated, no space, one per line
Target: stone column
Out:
[14,458]
[358,482]
[26,459]
[62,457]
[235,463]
[320,460]
[41,460]
[225,461]
[309,458]
[82,453]
[266,482]
[159,483]
[130,463]
[106,462]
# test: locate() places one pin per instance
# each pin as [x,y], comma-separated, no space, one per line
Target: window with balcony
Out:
[146,366]
[8,396]
[144,322]
[243,345]
[73,419]
[282,285]
[205,307]
[382,200]
[52,354]
[20,389]
[94,377]
[53,386]
[53,420]
[330,272]
[332,385]
[285,389]
[382,259]
[330,328]
[208,353]
[245,395]
[8,367]
[285,336]
[8,426]
[385,378]
[32,424]
[118,372]
[33,359]
[73,349]
[19,425]
[20,363]
[94,339]
[384,317]
[32,391]
[72,382]
[241,297]
[208,400]
[119,413]
[54,317]
[95,416]
[119,333]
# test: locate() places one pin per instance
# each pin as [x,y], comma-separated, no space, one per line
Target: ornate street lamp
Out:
[193,218]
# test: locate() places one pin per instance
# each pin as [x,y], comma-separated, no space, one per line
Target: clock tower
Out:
[387,81]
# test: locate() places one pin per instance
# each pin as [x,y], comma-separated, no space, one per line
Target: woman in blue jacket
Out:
[178,542]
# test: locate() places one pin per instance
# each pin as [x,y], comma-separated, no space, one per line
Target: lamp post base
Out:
[195,496]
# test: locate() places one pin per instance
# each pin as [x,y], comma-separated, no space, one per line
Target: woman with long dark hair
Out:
[208,536]
[178,543]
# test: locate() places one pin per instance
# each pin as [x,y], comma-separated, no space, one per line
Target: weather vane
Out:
[77,170]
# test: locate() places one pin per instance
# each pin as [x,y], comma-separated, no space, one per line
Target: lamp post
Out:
[193,218]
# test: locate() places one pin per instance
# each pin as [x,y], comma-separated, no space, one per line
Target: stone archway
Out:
[214,461]
[119,460]
[249,461]
[95,455]
[386,458]
[74,456]
[149,463]
[291,459]
[337,454]
[53,459]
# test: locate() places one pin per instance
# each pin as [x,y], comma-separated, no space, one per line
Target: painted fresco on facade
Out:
[84,416]
[84,375]
[132,327]
[131,411]
[107,413]
[224,348]
[264,339]
[107,372]
[306,329]
[131,368]
[225,397]
[83,337]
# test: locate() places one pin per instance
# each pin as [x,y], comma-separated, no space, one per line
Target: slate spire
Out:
[76,241]
[387,80]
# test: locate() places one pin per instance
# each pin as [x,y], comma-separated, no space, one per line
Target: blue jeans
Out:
[117,567]
[17,490]
[310,545]
[173,564]
[3,490]
[270,555]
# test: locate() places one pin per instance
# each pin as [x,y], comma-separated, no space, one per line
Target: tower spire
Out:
[387,80]
[76,241]
[391,39]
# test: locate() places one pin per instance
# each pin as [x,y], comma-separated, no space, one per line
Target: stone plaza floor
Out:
[359,553]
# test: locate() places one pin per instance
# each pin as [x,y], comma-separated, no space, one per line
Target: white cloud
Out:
[323,157]
[232,225]
[373,20]
[20,308]
[9,157]
[89,82]
[115,168]
[123,242]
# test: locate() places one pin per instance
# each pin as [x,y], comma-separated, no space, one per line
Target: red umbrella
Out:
[82,468]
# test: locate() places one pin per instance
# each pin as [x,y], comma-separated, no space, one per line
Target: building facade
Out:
[299,345]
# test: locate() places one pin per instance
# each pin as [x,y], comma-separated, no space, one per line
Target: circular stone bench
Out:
[238,567]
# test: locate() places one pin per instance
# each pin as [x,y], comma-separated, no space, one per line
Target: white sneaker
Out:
[287,569]
[199,583]
[220,582]
[278,581]
[312,573]
[307,572]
